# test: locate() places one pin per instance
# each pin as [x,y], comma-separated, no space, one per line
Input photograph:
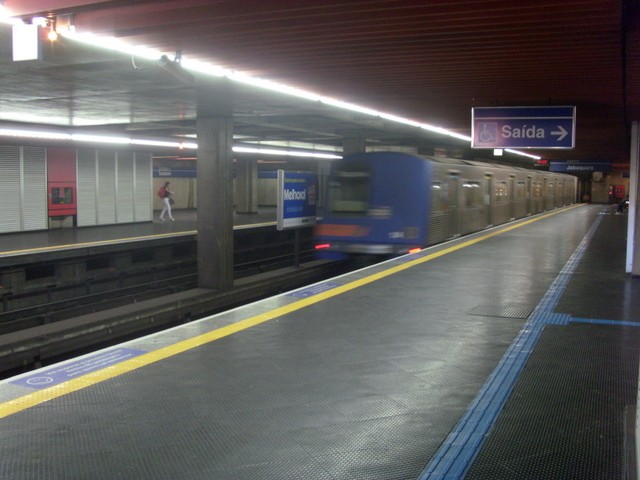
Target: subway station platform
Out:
[508,354]
[186,223]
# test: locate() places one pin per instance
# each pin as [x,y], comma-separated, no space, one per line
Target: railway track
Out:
[36,337]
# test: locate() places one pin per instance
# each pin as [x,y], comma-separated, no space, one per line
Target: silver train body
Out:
[392,203]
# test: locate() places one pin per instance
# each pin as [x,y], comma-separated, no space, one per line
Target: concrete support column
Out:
[214,126]
[633,230]
[246,186]
[354,145]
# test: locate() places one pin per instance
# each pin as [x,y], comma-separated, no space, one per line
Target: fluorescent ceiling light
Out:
[349,106]
[111,43]
[395,118]
[290,153]
[81,137]
[164,143]
[114,44]
[114,140]
[41,135]
[518,152]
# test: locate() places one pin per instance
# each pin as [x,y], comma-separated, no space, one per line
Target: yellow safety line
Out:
[22,403]
[97,243]
[121,240]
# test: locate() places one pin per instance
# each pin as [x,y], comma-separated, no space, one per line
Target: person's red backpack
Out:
[161,192]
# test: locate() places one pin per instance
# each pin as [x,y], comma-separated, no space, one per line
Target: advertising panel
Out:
[297,194]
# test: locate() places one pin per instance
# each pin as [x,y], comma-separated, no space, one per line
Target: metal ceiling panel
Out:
[432,61]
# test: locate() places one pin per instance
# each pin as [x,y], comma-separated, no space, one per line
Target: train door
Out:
[488,204]
[529,196]
[511,196]
[453,182]
[550,198]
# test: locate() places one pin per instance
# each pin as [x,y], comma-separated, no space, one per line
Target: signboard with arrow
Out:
[523,127]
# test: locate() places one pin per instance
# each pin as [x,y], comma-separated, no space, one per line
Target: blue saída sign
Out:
[523,127]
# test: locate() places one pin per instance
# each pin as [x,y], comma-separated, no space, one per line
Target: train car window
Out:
[349,192]
[439,197]
[501,192]
[537,190]
[472,194]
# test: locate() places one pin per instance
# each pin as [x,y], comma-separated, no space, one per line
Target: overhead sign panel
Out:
[523,127]
[578,167]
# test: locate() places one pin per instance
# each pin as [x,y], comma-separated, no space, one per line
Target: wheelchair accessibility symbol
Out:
[488,132]
[39,381]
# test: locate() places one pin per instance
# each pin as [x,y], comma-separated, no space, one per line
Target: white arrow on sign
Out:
[561,133]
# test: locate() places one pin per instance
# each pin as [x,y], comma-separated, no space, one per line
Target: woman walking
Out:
[165,194]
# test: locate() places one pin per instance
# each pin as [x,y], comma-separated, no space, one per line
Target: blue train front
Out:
[377,203]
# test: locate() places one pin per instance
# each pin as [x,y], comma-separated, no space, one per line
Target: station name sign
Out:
[580,167]
[523,127]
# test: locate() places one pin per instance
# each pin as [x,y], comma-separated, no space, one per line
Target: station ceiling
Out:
[430,61]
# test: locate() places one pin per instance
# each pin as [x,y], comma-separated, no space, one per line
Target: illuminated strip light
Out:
[162,143]
[349,106]
[41,135]
[114,44]
[291,153]
[524,154]
[443,131]
[93,138]
[81,137]
[111,43]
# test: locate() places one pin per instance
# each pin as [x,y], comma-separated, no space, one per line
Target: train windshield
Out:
[349,191]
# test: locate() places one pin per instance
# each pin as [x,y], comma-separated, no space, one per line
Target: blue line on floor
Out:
[460,448]
[599,321]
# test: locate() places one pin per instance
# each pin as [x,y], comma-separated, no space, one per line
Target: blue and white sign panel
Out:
[61,373]
[523,127]
[580,167]
[297,193]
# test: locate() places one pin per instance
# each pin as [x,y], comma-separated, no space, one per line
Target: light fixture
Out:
[114,140]
[179,67]
[39,21]
[288,153]
[52,35]
[174,68]
[518,152]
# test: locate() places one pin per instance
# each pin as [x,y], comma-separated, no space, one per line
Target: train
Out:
[392,203]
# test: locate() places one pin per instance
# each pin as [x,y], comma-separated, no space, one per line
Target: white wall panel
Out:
[10,181]
[34,192]
[87,186]
[106,187]
[124,198]
[143,206]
